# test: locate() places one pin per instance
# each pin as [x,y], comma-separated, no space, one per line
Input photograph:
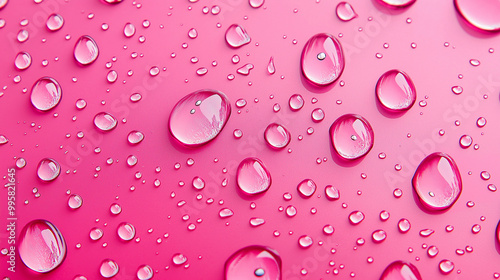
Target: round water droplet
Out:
[482,15]
[22,35]
[46,93]
[22,61]
[328,229]
[198,183]
[465,141]
[317,115]
[41,246]
[404,225]
[54,22]
[253,262]
[48,169]
[105,121]
[135,137]
[384,215]
[432,251]
[75,201]
[291,211]
[396,91]
[192,33]
[277,136]
[481,122]
[476,228]
[457,90]
[446,266]
[115,209]
[126,231]
[379,236]
[400,270]
[356,217]
[345,11]
[109,268]
[236,36]
[326,69]
[112,76]
[351,136]
[86,50]
[305,241]
[397,3]
[296,102]
[332,193]
[154,71]
[253,177]
[437,182]
[96,233]
[145,272]
[129,30]
[132,160]
[199,117]
[256,3]
[306,188]
[20,163]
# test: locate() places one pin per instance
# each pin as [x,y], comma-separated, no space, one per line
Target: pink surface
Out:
[428,40]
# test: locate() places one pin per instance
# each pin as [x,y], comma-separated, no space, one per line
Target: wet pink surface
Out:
[429,40]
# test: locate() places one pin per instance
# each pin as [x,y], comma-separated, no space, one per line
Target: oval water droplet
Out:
[253,262]
[296,102]
[396,91]
[404,225]
[54,22]
[41,246]
[126,231]
[46,93]
[332,193]
[277,136]
[199,117]
[400,270]
[129,30]
[253,177]
[291,211]
[426,232]
[397,3]
[457,90]
[379,236]
[306,188]
[437,182]
[135,137]
[322,61]
[236,36]
[317,115]
[22,61]
[345,11]
[109,268]
[482,15]
[86,50]
[356,217]
[179,259]
[225,213]
[328,229]
[255,222]
[48,169]
[446,266]
[96,233]
[351,136]
[305,241]
[105,121]
[75,201]
[145,272]
[198,183]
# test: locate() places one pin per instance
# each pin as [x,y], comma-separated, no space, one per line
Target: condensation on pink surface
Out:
[133,200]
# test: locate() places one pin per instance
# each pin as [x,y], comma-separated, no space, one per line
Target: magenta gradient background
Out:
[433,67]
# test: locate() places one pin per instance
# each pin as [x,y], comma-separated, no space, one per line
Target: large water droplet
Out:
[351,136]
[54,22]
[322,60]
[41,246]
[397,3]
[126,231]
[46,94]
[345,11]
[400,270]
[145,272]
[109,268]
[105,121]
[481,14]
[396,91]
[437,182]
[306,188]
[199,117]
[277,136]
[253,177]
[3,3]
[356,217]
[86,50]
[48,169]
[22,61]
[253,262]
[236,36]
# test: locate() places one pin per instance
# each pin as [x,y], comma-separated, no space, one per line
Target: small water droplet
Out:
[457,90]
[96,233]
[404,225]
[356,217]
[277,136]
[305,241]
[426,232]
[332,193]
[54,22]
[48,169]
[192,33]
[75,201]
[306,188]
[345,11]
[379,236]
[105,121]
[465,141]
[446,266]
[126,231]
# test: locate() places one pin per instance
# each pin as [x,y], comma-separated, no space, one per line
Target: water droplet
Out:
[482,15]
[105,121]
[86,50]
[135,137]
[253,262]
[215,10]
[457,90]
[465,141]
[109,268]
[379,236]
[192,33]
[356,217]
[317,115]
[255,222]
[126,231]
[48,169]
[332,193]
[432,251]
[305,241]
[22,35]
[476,228]
[20,163]
[398,3]
[256,3]
[277,136]
[154,71]
[135,97]
[324,71]
[446,266]
[270,66]
[22,61]
[296,102]
[351,136]
[400,270]
[96,233]
[225,213]
[236,36]
[481,122]
[253,177]
[54,22]
[112,76]
[437,182]
[131,160]
[328,229]
[41,246]
[81,104]
[426,232]
[404,225]
[129,30]
[145,272]
[3,139]
[345,11]
[306,188]
[396,91]
[205,123]
[384,215]
[485,175]
[75,201]
[46,93]
[245,69]
[201,71]
[291,211]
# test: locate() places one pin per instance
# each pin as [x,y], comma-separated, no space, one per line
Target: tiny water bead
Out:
[41,246]
[305,241]
[112,76]
[351,136]
[322,61]
[252,176]
[253,262]
[54,22]
[356,217]
[277,136]
[105,121]
[437,182]
[481,15]
[396,91]
[145,272]
[345,11]
[199,117]
[86,50]
[109,268]
[255,222]
[236,36]
[126,231]
[46,94]
[22,61]
[48,169]
[400,270]
[446,266]
[75,201]
[397,3]
[306,188]
[332,193]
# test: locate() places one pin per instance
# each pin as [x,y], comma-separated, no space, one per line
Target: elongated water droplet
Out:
[245,69]
[105,121]
[253,262]
[351,136]
[426,232]
[270,66]
[75,201]
[109,268]
[129,30]
[86,50]
[145,272]
[41,246]
[437,182]
[345,11]
[306,188]
[225,213]
[404,225]
[482,15]
[199,117]
[397,3]
[255,222]
[236,36]
[400,270]
[356,217]
[46,93]
[277,136]
[48,169]
[54,22]
[256,3]
[305,241]
[446,266]
[332,193]
[126,231]
[179,259]
[322,61]
[253,177]
[379,236]
[396,91]
[22,61]
[112,76]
